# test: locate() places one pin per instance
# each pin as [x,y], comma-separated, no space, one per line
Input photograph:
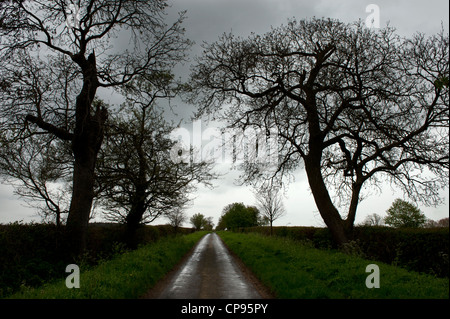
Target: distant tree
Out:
[238,215]
[270,203]
[430,224]
[208,223]
[444,221]
[176,217]
[254,215]
[263,221]
[373,220]
[198,221]
[440,223]
[403,214]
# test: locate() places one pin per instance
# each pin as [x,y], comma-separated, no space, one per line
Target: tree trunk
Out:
[58,218]
[324,203]
[81,204]
[85,148]
[134,217]
[350,220]
[88,137]
[133,220]
[138,207]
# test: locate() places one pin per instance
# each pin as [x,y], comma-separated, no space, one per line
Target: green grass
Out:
[128,275]
[294,270]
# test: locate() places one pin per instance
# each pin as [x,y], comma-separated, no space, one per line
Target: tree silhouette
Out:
[354,106]
[53,62]
[270,203]
[137,178]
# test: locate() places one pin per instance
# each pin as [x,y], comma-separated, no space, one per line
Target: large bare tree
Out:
[106,44]
[355,106]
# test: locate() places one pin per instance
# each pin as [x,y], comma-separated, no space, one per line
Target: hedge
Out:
[419,249]
[32,254]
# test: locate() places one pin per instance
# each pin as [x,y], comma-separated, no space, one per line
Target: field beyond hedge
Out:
[293,270]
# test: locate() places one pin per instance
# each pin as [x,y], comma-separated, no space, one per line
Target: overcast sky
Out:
[206,21]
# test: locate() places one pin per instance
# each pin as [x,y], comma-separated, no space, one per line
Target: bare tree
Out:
[270,203]
[443,222]
[38,165]
[39,171]
[439,223]
[373,220]
[176,217]
[354,106]
[84,35]
[138,180]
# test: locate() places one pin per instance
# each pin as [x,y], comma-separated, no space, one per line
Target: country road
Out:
[210,272]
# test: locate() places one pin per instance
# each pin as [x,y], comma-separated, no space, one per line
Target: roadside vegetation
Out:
[292,269]
[405,238]
[32,255]
[128,275]
[417,249]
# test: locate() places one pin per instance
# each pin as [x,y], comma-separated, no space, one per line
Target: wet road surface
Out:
[209,273]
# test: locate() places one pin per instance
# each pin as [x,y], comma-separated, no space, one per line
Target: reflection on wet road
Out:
[211,273]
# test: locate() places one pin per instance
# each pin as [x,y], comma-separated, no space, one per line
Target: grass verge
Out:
[128,275]
[293,270]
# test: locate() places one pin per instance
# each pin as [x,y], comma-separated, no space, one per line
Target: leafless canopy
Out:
[355,106]
[45,48]
[137,178]
[270,203]
[55,55]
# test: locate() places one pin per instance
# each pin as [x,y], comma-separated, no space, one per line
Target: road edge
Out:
[263,290]
[155,291]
